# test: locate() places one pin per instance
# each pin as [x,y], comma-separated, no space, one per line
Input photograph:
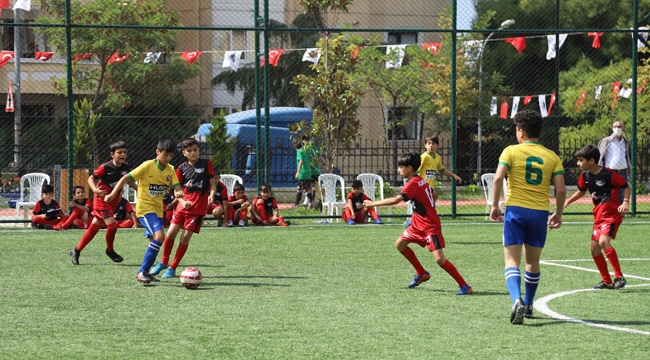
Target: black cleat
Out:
[114,256]
[517,313]
[619,282]
[145,277]
[74,253]
[602,285]
[528,313]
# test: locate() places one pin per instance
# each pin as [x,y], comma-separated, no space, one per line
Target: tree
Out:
[223,149]
[334,98]
[83,135]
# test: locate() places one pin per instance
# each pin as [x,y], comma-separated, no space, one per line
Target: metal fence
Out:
[378,78]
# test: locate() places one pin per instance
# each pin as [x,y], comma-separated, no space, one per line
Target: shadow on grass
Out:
[257,277]
[477,242]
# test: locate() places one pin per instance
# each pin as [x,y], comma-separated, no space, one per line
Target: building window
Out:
[402,38]
[31,41]
[408,125]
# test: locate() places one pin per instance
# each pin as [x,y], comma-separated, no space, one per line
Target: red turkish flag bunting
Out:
[355,52]
[518,42]
[528,99]
[617,88]
[118,58]
[82,57]
[5,4]
[274,56]
[504,110]
[550,103]
[596,43]
[5,56]
[43,55]
[191,57]
[433,47]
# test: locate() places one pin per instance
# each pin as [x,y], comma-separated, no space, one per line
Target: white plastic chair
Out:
[229,180]
[330,190]
[126,193]
[36,182]
[369,180]
[486,181]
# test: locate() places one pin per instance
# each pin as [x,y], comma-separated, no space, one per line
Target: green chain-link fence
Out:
[365,80]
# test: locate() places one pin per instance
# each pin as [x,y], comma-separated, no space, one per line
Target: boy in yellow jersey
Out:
[155,177]
[531,168]
[431,164]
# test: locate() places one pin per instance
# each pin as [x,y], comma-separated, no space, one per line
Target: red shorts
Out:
[102,214]
[212,207]
[433,240]
[190,222]
[604,229]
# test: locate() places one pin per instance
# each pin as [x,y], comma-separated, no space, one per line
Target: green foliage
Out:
[334,98]
[130,82]
[388,191]
[223,149]
[83,132]
[641,189]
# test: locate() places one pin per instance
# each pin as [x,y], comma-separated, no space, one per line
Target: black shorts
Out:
[304,184]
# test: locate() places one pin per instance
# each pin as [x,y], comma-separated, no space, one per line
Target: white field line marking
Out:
[546,262]
[542,306]
[590,260]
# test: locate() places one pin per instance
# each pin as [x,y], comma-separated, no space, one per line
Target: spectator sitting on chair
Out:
[47,212]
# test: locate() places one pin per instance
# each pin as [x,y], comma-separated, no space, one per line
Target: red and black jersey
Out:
[602,187]
[419,192]
[195,180]
[51,210]
[269,204]
[84,202]
[123,209]
[221,194]
[107,175]
[357,200]
[232,198]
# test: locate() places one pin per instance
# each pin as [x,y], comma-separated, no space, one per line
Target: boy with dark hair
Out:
[195,177]
[531,168]
[125,216]
[80,208]
[303,173]
[425,229]
[155,178]
[603,184]
[431,164]
[47,211]
[238,205]
[102,182]
[355,212]
[219,206]
[264,209]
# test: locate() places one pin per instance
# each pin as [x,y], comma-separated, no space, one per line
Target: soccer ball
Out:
[191,277]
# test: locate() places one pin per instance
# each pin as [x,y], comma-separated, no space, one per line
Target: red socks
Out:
[613,260]
[413,259]
[601,264]
[87,237]
[168,246]
[110,236]
[451,270]
[180,252]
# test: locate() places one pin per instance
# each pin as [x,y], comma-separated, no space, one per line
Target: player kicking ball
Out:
[425,229]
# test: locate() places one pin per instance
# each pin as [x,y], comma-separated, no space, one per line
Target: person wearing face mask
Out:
[615,153]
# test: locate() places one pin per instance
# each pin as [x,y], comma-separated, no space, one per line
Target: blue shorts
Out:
[525,226]
[151,223]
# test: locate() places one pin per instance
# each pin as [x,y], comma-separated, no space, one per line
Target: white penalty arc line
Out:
[542,306]
[546,262]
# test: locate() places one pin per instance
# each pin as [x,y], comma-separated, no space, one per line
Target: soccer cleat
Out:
[242,223]
[602,285]
[284,223]
[158,268]
[378,221]
[145,277]
[59,227]
[48,227]
[74,253]
[170,273]
[351,222]
[465,290]
[419,279]
[619,282]
[407,224]
[230,223]
[517,313]
[528,313]
[114,256]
